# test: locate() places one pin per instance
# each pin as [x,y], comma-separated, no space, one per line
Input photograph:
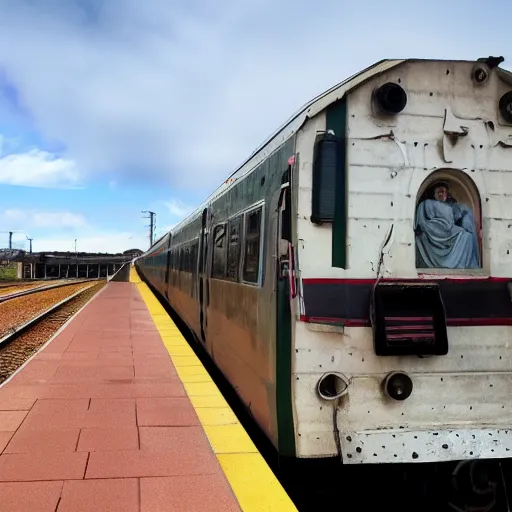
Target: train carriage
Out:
[156,263]
[361,259]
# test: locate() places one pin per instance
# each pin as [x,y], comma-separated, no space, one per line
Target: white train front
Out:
[361,259]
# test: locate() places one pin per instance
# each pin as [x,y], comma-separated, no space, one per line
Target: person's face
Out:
[441,194]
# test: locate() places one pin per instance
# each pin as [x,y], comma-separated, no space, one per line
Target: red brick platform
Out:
[99,421]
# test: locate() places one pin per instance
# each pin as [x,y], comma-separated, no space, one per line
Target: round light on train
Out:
[390,98]
[332,386]
[398,386]
[506,106]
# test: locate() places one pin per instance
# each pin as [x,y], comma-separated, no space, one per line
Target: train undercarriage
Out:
[459,486]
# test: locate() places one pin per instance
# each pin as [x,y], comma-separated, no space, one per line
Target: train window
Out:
[190,257]
[251,270]
[185,258]
[219,252]
[233,249]
[327,161]
[182,259]
[194,251]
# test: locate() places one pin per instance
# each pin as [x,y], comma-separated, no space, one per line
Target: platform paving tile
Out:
[112,495]
[141,463]
[197,493]
[30,496]
[43,441]
[160,412]
[11,420]
[162,439]
[82,413]
[99,420]
[5,437]
[108,439]
[20,467]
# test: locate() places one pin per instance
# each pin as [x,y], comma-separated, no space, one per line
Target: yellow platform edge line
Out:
[253,483]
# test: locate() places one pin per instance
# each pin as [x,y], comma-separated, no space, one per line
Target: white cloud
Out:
[185,90]
[38,168]
[163,230]
[56,231]
[93,241]
[14,214]
[58,219]
[26,220]
[178,209]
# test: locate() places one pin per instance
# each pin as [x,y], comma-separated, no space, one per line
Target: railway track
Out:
[33,330]
[7,283]
[7,290]
[21,290]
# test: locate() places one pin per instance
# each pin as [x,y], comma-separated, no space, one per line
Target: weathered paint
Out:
[286,431]
[464,395]
[336,120]
[429,445]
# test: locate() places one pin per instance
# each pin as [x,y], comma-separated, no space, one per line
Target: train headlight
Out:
[506,106]
[332,386]
[397,385]
[390,98]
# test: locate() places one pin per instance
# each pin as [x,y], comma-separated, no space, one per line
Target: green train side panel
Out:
[273,310]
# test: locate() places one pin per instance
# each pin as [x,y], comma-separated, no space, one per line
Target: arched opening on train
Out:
[448,222]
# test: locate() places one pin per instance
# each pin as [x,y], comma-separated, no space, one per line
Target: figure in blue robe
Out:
[445,232]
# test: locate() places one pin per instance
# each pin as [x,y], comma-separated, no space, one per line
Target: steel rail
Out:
[17,331]
[15,295]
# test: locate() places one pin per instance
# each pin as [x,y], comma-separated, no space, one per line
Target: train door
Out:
[203,278]
[285,249]
[286,292]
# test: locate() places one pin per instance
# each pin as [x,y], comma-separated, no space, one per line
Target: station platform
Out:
[116,413]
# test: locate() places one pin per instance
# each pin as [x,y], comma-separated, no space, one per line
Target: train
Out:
[352,279]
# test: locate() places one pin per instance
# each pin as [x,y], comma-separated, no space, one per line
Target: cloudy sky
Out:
[110,107]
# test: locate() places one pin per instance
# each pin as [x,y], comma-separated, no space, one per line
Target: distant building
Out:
[133,253]
[59,264]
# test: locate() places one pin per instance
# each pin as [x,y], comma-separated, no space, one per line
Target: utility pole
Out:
[30,241]
[10,236]
[151,226]
[75,246]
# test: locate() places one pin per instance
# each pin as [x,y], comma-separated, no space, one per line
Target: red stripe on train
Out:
[451,322]
[430,277]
